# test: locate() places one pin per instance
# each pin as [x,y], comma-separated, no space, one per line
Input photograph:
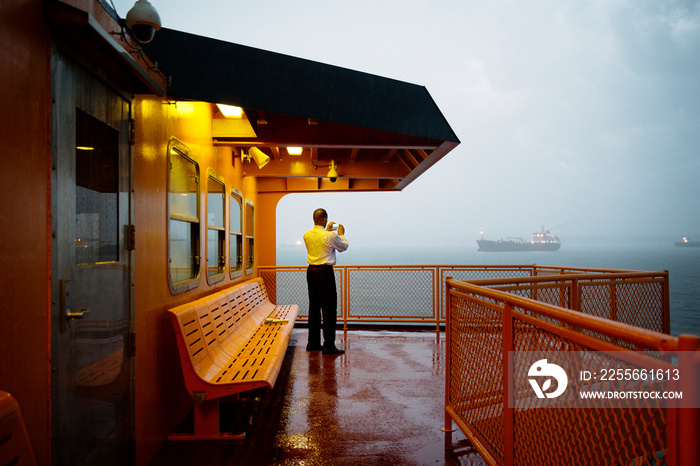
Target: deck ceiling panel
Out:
[373,127]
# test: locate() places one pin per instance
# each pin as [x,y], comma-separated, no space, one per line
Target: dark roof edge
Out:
[213,70]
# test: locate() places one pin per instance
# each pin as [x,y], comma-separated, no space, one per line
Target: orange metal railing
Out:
[486,326]
[508,308]
[412,294]
[634,298]
[416,293]
[366,293]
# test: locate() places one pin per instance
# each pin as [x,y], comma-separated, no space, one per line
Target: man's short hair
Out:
[319,214]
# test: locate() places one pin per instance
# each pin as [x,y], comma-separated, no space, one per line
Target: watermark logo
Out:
[547,371]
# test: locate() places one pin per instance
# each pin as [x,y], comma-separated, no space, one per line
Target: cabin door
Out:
[91,269]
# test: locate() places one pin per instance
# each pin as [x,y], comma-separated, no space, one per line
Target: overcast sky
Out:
[581,115]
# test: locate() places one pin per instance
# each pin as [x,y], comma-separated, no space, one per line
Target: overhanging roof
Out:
[374,127]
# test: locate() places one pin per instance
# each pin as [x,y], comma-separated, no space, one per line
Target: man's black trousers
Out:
[322,299]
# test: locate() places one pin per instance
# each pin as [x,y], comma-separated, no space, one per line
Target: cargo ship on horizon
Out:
[541,241]
[686,243]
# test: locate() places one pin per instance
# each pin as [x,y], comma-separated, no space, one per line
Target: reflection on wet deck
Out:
[382,402]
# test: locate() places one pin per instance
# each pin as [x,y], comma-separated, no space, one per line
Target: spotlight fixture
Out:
[256,155]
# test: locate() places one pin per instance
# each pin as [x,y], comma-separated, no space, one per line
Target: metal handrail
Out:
[642,338]
[504,435]
[415,294]
[578,283]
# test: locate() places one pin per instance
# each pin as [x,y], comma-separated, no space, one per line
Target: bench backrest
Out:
[215,327]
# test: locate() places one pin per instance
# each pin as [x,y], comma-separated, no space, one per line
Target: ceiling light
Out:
[295,150]
[230,111]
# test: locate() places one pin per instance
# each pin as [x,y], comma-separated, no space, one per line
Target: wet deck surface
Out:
[382,402]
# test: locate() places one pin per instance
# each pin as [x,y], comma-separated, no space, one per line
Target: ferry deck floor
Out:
[382,402]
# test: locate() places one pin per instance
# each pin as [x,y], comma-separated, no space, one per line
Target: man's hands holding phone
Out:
[332,226]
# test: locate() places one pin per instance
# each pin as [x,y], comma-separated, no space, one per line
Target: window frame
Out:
[176,287]
[237,236]
[249,237]
[214,177]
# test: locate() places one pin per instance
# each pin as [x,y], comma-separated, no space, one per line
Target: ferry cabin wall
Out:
[161,400]
[24,211]
[25,254]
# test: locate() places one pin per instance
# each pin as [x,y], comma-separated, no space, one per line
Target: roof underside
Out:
[382,133]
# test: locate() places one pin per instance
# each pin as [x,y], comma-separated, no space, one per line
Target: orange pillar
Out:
[266,228]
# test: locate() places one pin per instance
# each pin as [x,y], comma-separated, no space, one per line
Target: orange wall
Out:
[24,215]
[161,398]
[25,317]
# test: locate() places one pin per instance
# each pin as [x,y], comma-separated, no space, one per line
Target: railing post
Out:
[667,305]
[508,440]
[613,300]
[575,295]
[346,295]
[448,364]
[689,418]
[436,297]
[562,295]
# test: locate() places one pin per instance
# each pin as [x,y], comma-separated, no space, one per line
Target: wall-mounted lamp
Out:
[143,20]
[256,155]
[295,150]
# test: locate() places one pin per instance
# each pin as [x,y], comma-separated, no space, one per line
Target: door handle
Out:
[64,313]
[76,315]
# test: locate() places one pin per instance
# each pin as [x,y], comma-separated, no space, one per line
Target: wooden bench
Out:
[229,342]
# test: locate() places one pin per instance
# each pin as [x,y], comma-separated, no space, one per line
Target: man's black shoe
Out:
[333,351]
[314,348]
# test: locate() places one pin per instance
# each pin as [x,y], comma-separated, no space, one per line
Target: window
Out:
[236,233]
[249,236]
[183,216]
[216,231]
[96,191]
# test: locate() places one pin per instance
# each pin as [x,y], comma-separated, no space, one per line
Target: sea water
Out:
[683,264]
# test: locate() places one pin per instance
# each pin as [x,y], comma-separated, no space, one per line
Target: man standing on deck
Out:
[321,243]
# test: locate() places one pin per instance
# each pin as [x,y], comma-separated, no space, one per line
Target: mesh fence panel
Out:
[631,302]
[587,435]
[290,287]
[465,273]
[475,389]
[391,293]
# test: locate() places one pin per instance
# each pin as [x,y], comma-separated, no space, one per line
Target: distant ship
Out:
[541,241]
[685,243]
